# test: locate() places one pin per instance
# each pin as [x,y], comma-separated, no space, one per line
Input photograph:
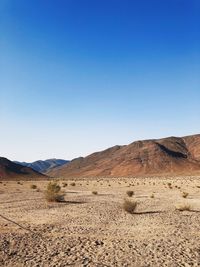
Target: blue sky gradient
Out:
[80,76]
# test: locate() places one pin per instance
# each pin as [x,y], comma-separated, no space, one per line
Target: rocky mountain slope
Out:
[44,166]
[11,171]
[172,155]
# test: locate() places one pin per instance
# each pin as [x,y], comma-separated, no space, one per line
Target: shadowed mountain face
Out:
[171,155]
[11,171]
[44,166]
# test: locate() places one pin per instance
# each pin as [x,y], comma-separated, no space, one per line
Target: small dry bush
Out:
[65,184]
[73,184]
[169,185]
[33,186]
[94,192]
[185,194]
[129,206]
[152,195]
[183,207]
[53,192]
[130,193]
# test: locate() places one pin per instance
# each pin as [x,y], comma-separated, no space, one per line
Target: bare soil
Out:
[94,230]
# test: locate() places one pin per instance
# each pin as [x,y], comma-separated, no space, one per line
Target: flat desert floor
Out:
[95,230]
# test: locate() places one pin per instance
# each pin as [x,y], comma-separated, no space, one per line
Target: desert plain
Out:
[88,229]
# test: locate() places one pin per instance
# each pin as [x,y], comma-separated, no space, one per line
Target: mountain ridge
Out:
[44,166]
[170,155]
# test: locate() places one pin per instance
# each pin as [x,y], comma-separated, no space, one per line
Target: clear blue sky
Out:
[80,76]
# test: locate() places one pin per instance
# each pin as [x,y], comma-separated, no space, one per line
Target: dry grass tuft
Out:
[73,184]
[185,194]
[33,186]
[53,192]
[129,206]
[169,185]
[94,192]
[130,193]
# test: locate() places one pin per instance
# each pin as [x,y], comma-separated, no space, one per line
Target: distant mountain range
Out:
[13,171]
[167,156]
[44,166]
[172,155]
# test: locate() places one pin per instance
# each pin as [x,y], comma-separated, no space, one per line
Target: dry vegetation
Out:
[33,186]
[129,205]
[53,192]
[185,194]
[130,193]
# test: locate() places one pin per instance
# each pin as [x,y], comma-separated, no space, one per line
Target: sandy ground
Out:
[94,230]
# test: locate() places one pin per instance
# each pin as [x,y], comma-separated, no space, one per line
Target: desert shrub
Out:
[169,185]
[65,184]
[33,186]
[185,194]
[130,193]
[94,192]
[53,192]
[152,195]
[73,184]
[183,207]
[129,206]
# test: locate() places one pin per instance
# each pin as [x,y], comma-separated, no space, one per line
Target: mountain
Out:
[172,155]
[44,166]
[11,171]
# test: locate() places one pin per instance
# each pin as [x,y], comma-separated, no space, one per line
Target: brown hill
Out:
[172,155]
[12,171]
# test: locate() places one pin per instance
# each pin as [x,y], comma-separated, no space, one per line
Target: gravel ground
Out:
[94,230]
